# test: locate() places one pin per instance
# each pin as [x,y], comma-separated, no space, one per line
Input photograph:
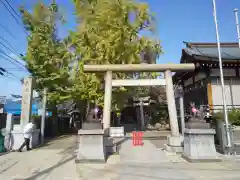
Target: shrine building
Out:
[203,86]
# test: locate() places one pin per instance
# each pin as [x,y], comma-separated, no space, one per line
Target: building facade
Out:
[203,86]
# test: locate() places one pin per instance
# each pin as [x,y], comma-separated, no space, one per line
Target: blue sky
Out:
[177,21]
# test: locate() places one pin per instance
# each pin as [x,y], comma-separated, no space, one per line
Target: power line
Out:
[18,80]
[21,65]
[3,71]
[5,29]
[13,9]
[14,75]
[13,69]
[1,51]
[7,43]
[12,60]
[6,47]
[9,58]
[14,17]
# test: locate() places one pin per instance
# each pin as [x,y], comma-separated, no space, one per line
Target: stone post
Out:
[9,122]
[9,128]
[174,141]
[107,100]
[142,114]
[182,113]
[26,101]
[171,104]
[180,94]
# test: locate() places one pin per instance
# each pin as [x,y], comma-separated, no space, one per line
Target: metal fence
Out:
[221,138]
[212,108]
[215,108]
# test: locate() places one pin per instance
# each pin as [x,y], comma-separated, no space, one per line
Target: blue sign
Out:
[14,107]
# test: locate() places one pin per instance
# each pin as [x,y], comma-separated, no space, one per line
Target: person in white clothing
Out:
[27,134]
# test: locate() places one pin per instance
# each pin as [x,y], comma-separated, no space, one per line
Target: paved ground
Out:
[161,165]
[54,159]
[150,162]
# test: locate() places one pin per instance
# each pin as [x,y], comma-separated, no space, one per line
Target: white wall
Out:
[232,89]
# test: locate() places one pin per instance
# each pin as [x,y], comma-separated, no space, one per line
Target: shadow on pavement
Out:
[9,167]
[51,141]
[64,159]
[69,150]
[58,138]
[48,170]
[119,143]
[4,153]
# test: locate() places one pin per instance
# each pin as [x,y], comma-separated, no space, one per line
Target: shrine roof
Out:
[206,54]
[209,52]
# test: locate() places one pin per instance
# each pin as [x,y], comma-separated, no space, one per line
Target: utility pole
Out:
[229,144]
[44,104]
[237,25]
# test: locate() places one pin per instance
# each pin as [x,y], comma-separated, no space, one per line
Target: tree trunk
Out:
[83,107]
[88,108]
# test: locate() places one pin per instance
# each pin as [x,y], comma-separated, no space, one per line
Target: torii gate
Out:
[174,140]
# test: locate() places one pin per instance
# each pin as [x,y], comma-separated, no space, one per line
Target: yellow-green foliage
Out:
[233,116]
[107,33]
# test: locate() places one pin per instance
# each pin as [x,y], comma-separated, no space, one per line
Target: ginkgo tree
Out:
[47,57]
[108,32]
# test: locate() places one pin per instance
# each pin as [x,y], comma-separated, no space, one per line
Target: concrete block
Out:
[92,125]
[175,140]
[199,145]
[197,124]
[174,144]
[116,131]
[110,146]
[173,149]
[91,147]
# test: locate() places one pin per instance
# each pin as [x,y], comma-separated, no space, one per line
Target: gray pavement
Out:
[149,162]
[53,161]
